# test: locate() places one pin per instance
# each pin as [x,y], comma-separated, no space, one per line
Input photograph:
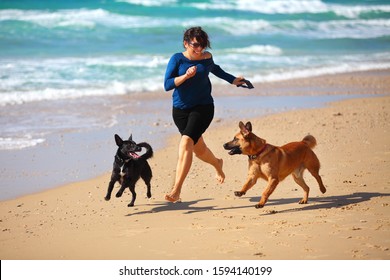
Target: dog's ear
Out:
[244,130]
[248,126]
[131,137]
[118,140]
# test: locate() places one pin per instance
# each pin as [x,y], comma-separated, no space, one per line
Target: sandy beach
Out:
[350,221]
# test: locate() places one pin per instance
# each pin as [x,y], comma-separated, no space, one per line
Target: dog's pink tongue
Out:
[134,155]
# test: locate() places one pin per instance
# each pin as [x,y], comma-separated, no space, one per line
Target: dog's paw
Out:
[107,198]
[257,206]
[130,205]
[303,201]
[118,194]
[239,194]
[148,195]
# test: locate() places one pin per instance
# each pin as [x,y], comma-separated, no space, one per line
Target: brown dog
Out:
[273,164]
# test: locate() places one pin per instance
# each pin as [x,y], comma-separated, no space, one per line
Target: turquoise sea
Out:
[61,61]
[56,50]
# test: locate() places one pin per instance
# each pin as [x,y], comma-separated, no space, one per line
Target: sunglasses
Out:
[195,45]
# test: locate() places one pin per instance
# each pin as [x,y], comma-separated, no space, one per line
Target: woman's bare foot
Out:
[172,198]
[220,176]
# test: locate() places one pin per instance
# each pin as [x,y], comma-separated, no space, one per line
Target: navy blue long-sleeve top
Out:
[196,90]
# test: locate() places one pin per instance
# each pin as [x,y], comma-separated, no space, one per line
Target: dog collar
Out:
[258,154]
[120,161]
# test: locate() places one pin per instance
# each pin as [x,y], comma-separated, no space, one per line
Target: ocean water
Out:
[69,66]
[61,50]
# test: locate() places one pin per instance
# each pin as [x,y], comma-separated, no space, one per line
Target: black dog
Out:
[129,167]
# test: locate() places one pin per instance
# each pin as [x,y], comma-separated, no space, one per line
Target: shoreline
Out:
[350,221]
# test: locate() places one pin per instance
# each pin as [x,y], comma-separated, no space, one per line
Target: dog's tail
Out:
[149,150]
[310,141]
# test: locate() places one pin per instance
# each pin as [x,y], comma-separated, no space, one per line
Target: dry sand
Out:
[350,221]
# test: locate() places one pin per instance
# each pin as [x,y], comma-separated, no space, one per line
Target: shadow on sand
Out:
[190,206]
[315,203]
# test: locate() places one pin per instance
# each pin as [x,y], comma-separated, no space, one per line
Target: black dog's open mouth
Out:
[133,155]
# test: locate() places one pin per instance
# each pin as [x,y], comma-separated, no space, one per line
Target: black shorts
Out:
[193,122]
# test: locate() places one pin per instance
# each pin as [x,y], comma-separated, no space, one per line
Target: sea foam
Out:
[17,143]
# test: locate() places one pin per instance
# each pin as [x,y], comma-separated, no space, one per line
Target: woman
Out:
[193,106]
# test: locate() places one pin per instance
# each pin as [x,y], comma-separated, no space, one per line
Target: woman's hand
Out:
[239,81]
[191,72]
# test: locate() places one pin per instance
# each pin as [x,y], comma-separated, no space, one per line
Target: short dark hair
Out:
[200,35]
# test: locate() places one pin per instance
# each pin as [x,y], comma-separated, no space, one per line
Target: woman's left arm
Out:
[220,73]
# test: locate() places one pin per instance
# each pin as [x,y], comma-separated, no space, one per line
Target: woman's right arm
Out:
[172,78]
[170,74]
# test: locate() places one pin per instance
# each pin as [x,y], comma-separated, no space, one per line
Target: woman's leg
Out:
[205,154]
[186,148]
